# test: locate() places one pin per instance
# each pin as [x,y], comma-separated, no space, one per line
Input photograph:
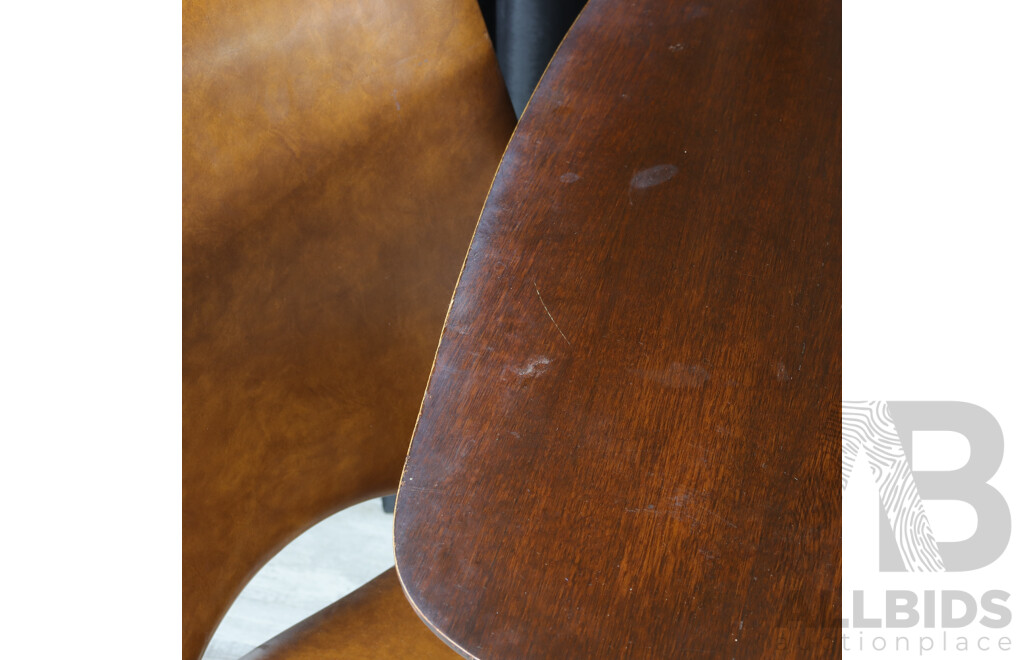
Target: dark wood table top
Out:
[629,445]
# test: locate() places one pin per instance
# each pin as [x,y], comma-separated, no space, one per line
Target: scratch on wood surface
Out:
[726,521]
[422,489]
[548,312]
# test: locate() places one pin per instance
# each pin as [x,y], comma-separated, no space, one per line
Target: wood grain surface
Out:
[335,159]
[629,445]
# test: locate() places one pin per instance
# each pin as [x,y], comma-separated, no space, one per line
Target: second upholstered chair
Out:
[336,155]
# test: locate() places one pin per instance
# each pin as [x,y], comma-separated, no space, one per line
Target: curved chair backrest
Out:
[336,155]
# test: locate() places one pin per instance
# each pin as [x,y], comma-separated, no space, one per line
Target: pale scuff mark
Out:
[678,375]
[653,176]
[535,367]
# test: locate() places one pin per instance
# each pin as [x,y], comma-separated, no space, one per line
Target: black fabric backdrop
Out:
[525,34]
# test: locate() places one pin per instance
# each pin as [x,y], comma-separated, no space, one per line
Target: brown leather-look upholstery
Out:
[375,621]
[336,155]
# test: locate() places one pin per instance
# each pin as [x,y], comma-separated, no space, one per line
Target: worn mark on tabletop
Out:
[678,375]
[548,312]
[535,367]
[695,11]
[653,176]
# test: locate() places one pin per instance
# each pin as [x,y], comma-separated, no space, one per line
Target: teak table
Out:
[629,445]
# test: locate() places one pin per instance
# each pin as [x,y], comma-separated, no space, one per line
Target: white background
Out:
[933,147]
[90,276]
